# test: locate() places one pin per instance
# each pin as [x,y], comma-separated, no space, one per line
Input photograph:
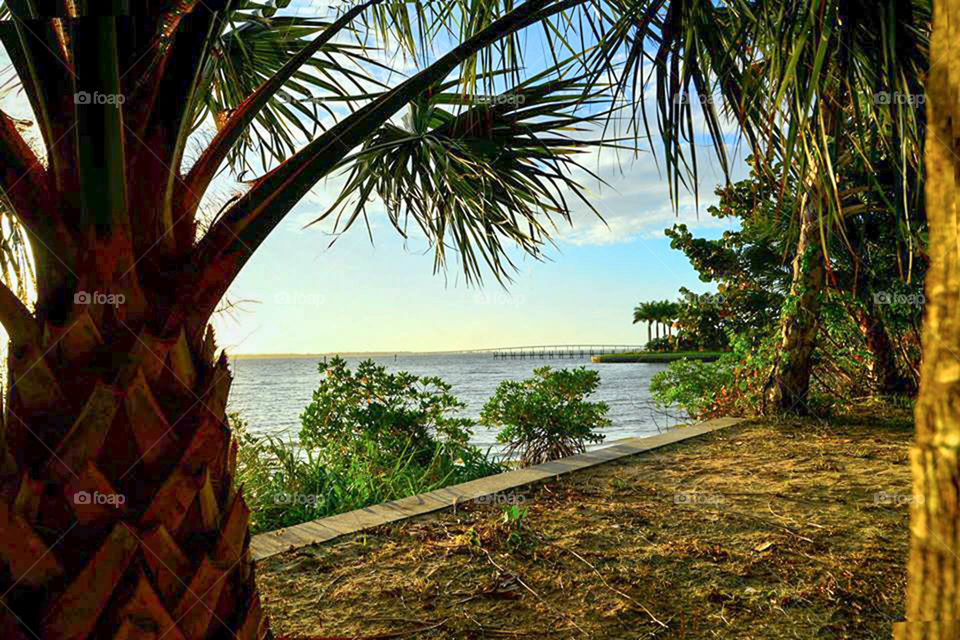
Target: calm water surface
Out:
[271,393]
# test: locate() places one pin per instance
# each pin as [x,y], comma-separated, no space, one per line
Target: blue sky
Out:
[356,296]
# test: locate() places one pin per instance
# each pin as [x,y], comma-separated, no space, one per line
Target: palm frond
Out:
[254,48]
[494,169]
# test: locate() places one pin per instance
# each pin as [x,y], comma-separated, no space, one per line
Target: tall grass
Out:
[285,483]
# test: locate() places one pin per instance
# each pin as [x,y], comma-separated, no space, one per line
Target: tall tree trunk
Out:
[933,570]
[882,365]
[649,331]
[789,383]
[118,515]
[123,521]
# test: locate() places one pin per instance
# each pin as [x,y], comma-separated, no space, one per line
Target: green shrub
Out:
[547,417]
[376,414]
[734,384]
[366,438]
[692,385]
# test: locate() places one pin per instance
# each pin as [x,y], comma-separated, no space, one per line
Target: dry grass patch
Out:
[760,531]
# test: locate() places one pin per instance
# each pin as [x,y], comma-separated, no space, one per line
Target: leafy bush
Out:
[734,384]
[376,414]
[366,438]
[691,385]
[660,344]
[547,417]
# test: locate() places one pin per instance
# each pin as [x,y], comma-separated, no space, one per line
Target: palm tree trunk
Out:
[882,366]
[125,522]
[789,383]
[933,570]
[649,331]
[119,518]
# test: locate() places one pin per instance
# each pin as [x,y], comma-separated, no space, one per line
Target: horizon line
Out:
[418,352]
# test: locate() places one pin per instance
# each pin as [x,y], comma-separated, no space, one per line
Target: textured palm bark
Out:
[123,520]
[882,367]
[118,515]
[933,570]
[789,383]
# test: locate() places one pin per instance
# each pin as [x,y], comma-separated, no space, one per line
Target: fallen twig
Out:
[535,594]
[616,591]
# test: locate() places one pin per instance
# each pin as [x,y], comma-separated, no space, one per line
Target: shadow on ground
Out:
[766,530]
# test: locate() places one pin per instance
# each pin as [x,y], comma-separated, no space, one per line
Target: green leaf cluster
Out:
[547,416]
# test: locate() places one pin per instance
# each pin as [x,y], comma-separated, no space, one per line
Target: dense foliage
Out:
[367,437]
[547,416]
[869,310]
[374,413]
[730,385]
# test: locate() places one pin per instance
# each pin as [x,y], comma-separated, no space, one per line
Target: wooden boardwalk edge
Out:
[269,544]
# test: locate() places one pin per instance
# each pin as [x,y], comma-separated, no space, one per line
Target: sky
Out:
[298,294]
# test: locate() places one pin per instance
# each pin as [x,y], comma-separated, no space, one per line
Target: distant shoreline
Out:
[373,354]
[302,356]
[348,354]
[656,357]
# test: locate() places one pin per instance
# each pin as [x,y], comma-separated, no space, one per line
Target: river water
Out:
[272,393]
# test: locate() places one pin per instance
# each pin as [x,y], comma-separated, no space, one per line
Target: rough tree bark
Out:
[139,484]
[789,383]
[933,570]
[882,367]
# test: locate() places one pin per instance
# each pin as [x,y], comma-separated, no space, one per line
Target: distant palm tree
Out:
[643,313]
[658,313]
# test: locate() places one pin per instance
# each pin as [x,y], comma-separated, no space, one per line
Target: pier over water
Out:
[559,350]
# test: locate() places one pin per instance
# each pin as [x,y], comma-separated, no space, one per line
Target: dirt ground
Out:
[786,530]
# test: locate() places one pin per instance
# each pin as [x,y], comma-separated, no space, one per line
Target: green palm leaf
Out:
[472,178]
[252,50]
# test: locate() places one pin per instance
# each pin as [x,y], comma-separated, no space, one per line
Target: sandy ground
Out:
[766,530]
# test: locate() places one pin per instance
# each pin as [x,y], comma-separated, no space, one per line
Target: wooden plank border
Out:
[269,544]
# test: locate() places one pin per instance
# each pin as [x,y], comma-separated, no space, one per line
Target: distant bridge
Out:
[558,350]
